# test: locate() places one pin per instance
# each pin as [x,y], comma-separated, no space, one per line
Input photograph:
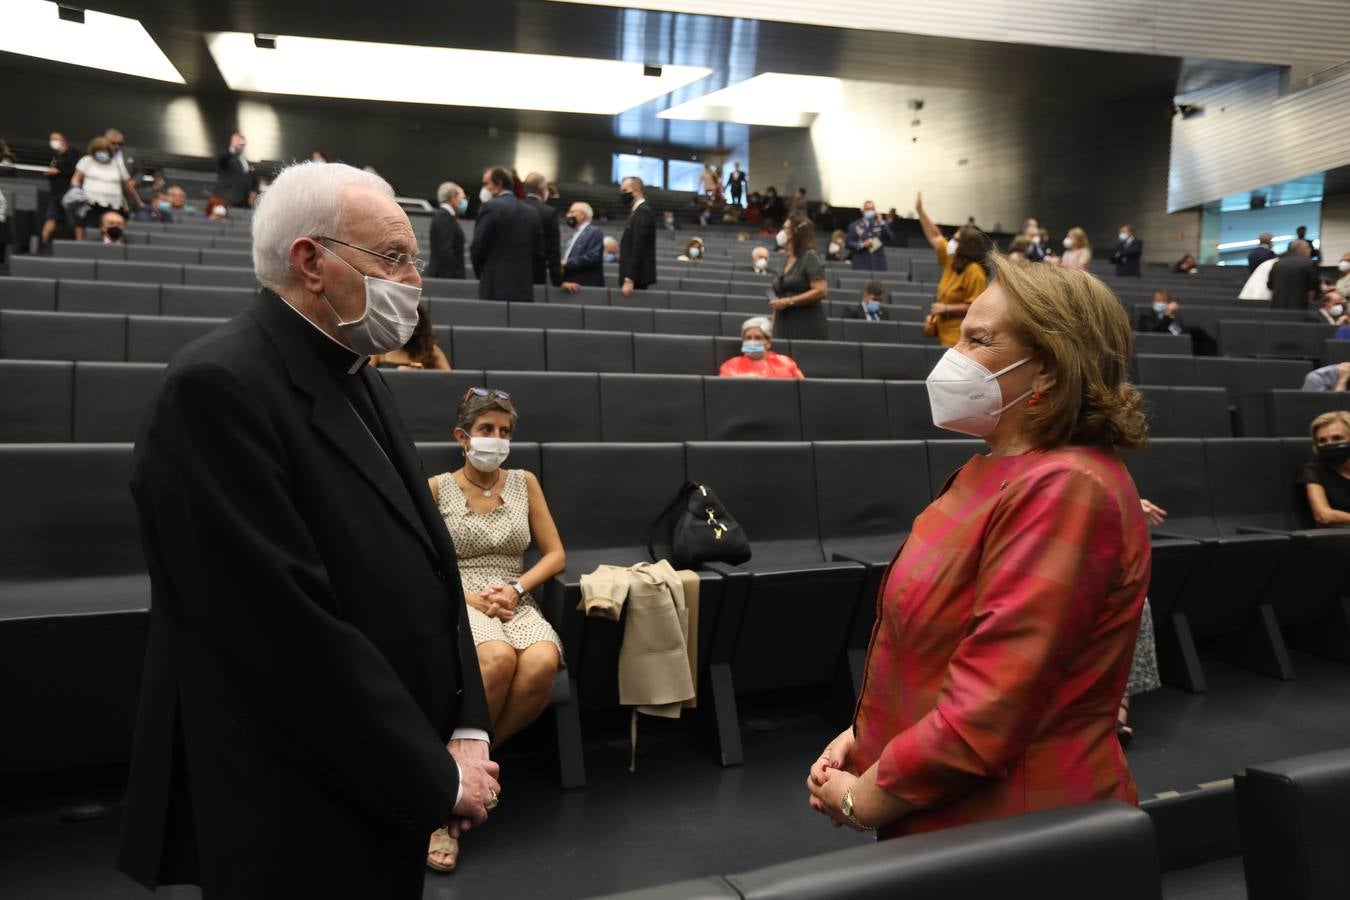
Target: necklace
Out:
[487,490]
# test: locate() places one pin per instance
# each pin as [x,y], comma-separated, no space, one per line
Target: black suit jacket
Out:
[447,246]
[855,311]
[551,265]
[637,248]
[232,182]
[586,263]
[309,651]
[1126,257]
[507,243]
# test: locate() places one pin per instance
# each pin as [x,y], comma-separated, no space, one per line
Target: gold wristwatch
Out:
[847,808]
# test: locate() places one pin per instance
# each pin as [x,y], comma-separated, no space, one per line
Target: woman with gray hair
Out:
[756,359]
[493,514]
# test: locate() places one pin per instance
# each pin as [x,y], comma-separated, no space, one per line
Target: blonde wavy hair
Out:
[1072,319]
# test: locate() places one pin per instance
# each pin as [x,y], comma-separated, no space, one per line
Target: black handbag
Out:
[699,530]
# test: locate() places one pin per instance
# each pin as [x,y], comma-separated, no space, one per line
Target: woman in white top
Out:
[1077,250]
[104,178]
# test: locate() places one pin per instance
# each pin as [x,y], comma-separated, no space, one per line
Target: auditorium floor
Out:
[680,815]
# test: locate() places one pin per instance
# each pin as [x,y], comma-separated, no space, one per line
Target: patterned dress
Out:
[1005,629]
[491,548]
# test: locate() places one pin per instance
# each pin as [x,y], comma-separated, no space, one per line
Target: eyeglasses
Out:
[485,392]
[394,263]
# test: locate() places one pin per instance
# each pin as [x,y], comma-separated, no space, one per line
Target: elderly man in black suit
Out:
[310,669]
[447,236]
[637,247]
[536,196]
[508,241]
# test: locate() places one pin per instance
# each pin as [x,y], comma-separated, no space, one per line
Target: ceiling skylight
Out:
[773,98]
[407,73]
[101,41]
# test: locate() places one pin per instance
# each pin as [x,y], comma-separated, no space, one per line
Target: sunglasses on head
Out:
[485,392]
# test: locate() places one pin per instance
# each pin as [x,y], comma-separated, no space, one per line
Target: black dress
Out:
[1334,483]
[806,322]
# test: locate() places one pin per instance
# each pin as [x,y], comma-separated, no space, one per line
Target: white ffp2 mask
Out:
[965,397]
[390,317]
[486,454]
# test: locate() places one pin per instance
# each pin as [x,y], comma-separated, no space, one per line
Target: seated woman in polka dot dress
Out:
[493,514]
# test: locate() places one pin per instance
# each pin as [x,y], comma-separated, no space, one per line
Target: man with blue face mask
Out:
[447,236]
[867,238]
[309,657]
[870,308]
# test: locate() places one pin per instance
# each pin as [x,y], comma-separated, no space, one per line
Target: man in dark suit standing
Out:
[508,241]
[1127,253]
[1262,251]
[447,237]
[310,668]
[637,247]
[536,195]
[583,261]
[1293,280]
[736,183]
[235,180]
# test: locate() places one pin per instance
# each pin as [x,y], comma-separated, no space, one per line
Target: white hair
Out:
[760,322]
[305,199]
[446,191]
[585,208]
[760,250]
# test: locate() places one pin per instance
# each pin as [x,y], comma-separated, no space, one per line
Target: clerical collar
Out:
[338,355]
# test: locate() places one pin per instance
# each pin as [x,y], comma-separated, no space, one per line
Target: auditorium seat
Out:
[742,305]
[1228,595]
[588,351]
[159,338]
[1286,413]
[842,409]
[51,267]
[144,272]
[112,400]
[473,347]
[872,332]
[673,354]
[540,315]
[90,249]
[752,409]
[212,302]
[651,408]
[221,257]
[68,336]
[36,400]
[868,525]
[552,406]
[895,362]
[585,296]
[1285,339]
[828,359]
[1163,343]
[219,276]
[73,295]
[697,302]
[1335,352]
[909,412]
[428,400]
[1187,411]
[1291,819]
[797,606]
[151,253]
[946,455]
[38,294]
[683,321]
[605,318]
[636,300]
[924,271]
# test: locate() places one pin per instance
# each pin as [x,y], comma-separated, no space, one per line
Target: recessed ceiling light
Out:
[773,98]
[43,30]
[408,73]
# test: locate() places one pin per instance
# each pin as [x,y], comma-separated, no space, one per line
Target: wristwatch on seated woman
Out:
[520,590]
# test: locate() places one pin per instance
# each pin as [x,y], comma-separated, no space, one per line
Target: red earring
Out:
[1035,399]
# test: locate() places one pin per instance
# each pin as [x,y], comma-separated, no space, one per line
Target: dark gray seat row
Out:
[51,400]
[1238,558]
[1287,413]
[138,272]
[1105,850]
[152,253]
[1238,375]
[1288,339]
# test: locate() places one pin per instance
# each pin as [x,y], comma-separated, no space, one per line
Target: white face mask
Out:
[761,262]
[55,145]
[485,195]
[1124,236]
[1337,311]
[834,247]
[951,247]
[781,237]
[390,317]
[1344,265]
[695,252]
[1068,243]
[965,397]
[486,454]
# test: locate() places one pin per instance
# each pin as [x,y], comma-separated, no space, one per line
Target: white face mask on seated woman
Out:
[486,454]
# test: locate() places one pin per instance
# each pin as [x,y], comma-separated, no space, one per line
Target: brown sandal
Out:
[442,842]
